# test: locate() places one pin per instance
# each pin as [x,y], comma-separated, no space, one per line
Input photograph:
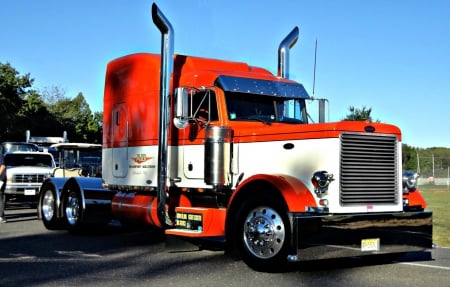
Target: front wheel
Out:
[263,235]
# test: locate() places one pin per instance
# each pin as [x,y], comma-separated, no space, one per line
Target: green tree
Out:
[52,94]
[45,113]
[13,90]
[95,128]
[34,116]
[76,118]
[83,116]
[409,160]
[356,114]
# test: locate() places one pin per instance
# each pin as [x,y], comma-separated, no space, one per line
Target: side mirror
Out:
[181,117]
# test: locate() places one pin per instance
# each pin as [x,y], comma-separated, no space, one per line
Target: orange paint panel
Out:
[135,207]
[131,96]
[213,222]
[197,71]
[248,132]
[294,192]
[415,198]
[131,100]
[184,201]
[131,103]
[258,132]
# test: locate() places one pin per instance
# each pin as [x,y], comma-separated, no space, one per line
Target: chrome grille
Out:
[368,169]
[28,178]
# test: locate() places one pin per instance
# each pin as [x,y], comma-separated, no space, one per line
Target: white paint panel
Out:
[141,164]
[305,158]
[193,161]
[186,164]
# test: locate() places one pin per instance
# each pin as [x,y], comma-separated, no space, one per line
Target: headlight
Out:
[321,180]
[409,181]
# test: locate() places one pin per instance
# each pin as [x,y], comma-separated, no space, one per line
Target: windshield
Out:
[268,109]
[89,160]
[72,158]
[44,160]
[11,147]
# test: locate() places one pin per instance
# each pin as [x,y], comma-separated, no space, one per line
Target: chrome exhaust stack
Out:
[283,53]
[167,51]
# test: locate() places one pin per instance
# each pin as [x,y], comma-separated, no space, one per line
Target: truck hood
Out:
[258,131]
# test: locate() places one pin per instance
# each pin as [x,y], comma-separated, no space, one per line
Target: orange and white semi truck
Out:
[222,153]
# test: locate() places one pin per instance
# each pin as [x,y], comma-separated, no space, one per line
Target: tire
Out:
[263,234]
[72,210]
[48,208]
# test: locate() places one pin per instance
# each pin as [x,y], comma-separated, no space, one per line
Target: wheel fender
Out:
[72,184]
[294,192]
[57,184]
[95,199]
[415,198]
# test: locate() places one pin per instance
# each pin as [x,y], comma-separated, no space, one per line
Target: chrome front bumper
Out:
[335,236]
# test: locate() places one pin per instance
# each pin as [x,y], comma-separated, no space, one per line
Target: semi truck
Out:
[224,155]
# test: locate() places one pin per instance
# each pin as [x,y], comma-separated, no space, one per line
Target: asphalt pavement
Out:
[30,255]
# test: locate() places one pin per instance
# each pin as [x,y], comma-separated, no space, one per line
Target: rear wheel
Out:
[48,208]
[73,210]
[263,234]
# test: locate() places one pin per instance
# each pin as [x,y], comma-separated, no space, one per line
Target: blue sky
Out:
[389,55]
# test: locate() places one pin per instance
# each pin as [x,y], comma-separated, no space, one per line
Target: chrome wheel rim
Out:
[48,205]
[264,232]
[72,209]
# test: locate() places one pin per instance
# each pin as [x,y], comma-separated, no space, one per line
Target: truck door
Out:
[120,140]
[203,111]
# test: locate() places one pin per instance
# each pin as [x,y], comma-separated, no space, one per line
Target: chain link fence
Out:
[434,172]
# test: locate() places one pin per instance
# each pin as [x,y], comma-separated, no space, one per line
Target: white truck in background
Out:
[25,173]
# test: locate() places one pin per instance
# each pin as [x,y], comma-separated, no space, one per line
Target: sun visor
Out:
[272,88]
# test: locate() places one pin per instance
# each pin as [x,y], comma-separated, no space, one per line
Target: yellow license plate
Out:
[370,244]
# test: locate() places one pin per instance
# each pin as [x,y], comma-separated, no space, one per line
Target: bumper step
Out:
[199,222]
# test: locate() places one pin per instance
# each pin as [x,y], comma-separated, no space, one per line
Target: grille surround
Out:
[28,178]
[368,165]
